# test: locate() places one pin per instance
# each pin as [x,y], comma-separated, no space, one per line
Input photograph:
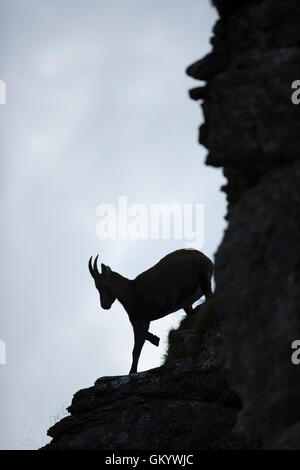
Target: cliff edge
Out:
[184,404]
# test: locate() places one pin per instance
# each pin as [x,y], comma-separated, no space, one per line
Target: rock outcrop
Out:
[184,404]
[252,130]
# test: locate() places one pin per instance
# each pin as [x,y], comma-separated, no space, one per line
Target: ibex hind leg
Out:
[206,288]
[189,310]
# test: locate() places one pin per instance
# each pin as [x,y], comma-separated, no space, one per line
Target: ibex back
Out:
[177,281]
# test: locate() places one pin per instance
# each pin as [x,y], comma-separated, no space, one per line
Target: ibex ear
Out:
[105,270]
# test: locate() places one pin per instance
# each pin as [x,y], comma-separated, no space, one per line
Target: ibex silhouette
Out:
[175,282]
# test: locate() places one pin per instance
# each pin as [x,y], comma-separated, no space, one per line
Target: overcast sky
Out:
[97,107]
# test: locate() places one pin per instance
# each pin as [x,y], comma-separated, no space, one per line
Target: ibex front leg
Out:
[140,335]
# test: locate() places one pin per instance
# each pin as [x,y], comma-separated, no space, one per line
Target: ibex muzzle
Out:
[177,281]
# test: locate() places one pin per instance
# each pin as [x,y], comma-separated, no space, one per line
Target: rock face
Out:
[184,404]
[255,59]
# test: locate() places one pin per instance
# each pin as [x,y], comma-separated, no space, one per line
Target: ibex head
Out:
[103,283]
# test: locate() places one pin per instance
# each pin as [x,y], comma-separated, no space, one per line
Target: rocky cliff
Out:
[184,404]
[252,130]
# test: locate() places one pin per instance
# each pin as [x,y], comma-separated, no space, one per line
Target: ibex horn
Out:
[95,267]
[91,268]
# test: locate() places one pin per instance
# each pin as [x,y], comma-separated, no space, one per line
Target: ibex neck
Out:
[122,289]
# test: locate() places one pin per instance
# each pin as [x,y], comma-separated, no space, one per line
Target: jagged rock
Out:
[255,59]
[183,404]
[249,75]
[227,7]
[258,262]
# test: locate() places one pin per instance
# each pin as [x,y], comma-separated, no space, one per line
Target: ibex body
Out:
[175,282]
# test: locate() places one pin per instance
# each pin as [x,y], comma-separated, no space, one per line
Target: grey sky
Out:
[97,107]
